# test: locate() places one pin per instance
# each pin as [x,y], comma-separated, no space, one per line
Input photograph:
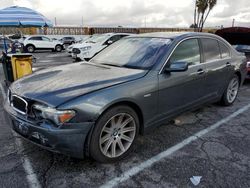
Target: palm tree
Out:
[201,12]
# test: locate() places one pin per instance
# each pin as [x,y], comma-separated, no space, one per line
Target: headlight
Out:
[85,48]
[248,64]
[57,116]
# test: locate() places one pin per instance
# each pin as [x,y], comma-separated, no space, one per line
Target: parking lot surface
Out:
[221,155]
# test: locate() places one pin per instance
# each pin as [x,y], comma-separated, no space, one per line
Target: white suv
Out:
[91,47]
[33,43]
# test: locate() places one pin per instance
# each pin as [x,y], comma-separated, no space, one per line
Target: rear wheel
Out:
[30,48]
[231,92]
[114,134]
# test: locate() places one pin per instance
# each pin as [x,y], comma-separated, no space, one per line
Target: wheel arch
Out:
[239,76]
[129,103]
[58,45]
[30,44]
[132,105]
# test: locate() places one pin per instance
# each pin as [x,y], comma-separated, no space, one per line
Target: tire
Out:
[58,48]
[231,92]
[30,48]
[114,134]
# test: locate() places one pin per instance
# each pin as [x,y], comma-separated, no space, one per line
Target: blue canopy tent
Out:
[16,16]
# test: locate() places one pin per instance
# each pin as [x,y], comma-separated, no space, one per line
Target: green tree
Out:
[201,12]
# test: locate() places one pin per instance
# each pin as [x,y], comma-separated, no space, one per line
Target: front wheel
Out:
[114,134]
[30,48]
[231,92]
[58,48]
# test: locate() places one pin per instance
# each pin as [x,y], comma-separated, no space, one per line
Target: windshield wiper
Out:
[131,67]
[109,64]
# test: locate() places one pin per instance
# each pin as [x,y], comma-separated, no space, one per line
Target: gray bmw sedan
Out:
[98,108]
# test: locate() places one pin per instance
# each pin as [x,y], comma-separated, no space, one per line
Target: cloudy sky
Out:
[135,13]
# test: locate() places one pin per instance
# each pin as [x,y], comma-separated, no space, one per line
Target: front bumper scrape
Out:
[68,141]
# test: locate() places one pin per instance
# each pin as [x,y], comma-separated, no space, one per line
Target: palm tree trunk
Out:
[200,23]
[205,18]
[195,14]
[197,22]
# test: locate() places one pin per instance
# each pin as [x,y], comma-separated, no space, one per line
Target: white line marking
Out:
[148,163]
[30,174]
[2,91]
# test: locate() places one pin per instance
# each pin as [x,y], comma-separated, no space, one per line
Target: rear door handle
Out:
[200,71]
[228,64]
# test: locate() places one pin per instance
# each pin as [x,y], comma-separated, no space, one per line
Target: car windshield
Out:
[97,38]
[136,52]
[243,47]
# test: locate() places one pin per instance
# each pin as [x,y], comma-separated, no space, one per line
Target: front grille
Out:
[19,104]
[76,51]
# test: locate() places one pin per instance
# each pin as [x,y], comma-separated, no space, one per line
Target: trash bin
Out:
[16,66]
[21,65]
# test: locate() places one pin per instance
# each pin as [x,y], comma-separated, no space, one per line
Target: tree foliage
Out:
[201,12]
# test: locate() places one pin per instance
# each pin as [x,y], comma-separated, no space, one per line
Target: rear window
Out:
[225,52]
[211,49]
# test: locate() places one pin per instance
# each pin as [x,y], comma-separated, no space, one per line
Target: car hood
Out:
[81,45]
[92,45]
[58,85]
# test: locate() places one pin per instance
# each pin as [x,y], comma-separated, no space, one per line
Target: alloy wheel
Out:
[117,135]
[30,49]
[232,90]
[58,48]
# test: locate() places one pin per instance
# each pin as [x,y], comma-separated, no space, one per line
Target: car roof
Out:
[173,35]
[111,34]
[38,36]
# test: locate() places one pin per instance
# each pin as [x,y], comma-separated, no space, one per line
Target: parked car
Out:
[246,50]
[88,49]
[98,108]
[243,48]
[33,43]
[12,46]
[83,38]
[78,43]
[15,36]
[248,69]
[68,40]
[4,46]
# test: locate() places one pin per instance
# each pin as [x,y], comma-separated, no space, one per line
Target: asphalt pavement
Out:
[211,142]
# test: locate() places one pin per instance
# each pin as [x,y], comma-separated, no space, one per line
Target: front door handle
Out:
[228,64]
[200,71]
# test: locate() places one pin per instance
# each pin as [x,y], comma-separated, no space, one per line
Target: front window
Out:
[137,52]
[35,38]
[225,52]
[188,51]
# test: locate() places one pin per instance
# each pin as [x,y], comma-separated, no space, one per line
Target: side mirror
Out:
[178,66]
